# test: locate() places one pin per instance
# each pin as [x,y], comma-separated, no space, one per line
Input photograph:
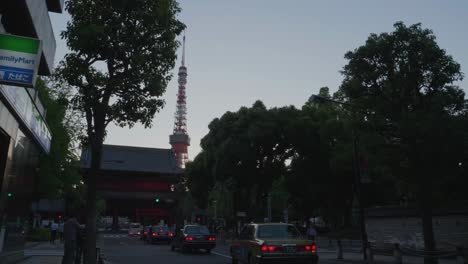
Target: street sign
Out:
[241,214]
[19,60]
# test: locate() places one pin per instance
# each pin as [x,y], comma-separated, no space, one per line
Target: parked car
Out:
[194,237]
[272,243]
[134,229]
[144,233]
[159,233]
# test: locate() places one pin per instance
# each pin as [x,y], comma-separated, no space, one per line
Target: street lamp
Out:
[357,172]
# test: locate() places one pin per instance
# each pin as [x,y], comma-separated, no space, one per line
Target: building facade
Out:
[137,183]
[24,134]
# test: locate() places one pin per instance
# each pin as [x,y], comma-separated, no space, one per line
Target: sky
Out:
[276,51]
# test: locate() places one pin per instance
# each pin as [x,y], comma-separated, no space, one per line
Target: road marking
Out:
[222,255]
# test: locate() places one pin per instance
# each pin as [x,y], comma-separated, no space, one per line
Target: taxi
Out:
[260,243]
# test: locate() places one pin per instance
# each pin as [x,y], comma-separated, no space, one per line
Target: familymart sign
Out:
[19,60]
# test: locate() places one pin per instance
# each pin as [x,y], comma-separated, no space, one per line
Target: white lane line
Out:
[222,255]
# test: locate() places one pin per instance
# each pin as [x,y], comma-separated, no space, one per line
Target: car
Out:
[260,243]
[159,233]
[194,237]
[144,233]
[134,229]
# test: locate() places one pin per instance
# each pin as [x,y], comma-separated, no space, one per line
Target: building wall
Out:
[23,131]
[449,230]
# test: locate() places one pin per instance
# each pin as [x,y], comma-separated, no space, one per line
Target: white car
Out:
[135,229]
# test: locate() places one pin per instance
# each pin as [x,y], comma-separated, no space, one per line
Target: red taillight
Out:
[139,233]
[145,233]
[312,248]
[212,239]
[171,235]
[189,238]
[155,234]
[266,248]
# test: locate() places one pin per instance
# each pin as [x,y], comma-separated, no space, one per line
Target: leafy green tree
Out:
[403,83]
[248,149]
[59,170]
[122,52]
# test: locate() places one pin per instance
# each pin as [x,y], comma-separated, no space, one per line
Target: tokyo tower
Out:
[179,139]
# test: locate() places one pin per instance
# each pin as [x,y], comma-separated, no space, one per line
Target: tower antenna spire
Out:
[183,50]
[180,139]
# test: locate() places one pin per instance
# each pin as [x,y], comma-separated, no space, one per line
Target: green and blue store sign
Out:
[19,60]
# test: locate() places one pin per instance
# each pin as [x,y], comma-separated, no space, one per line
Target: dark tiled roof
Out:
[134,159]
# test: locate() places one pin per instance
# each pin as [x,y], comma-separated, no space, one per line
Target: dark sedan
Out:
[144,233]
[194,237]
[159,233]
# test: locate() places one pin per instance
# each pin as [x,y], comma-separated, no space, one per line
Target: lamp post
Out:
[357,174]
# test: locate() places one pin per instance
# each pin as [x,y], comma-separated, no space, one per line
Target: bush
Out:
[39,234]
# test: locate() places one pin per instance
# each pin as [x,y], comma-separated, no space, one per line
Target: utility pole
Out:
[269,207]
[357,175]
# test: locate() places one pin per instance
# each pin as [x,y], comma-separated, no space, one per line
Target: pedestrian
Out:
[311,233]
[80,239]
[53,232]
[70,232]
[60,231]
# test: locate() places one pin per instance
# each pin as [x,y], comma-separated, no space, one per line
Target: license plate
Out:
[290,249]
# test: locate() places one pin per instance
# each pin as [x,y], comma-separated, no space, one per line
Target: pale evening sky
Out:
[276,51]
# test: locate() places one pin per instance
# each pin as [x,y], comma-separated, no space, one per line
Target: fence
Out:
[396,251]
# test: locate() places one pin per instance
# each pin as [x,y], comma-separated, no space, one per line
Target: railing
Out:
[398,252]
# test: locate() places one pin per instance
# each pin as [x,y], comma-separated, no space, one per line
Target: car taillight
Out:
[212,239]
[312,248]
[145,233]
[266,248]
[139,233]
[189,238]
[171,235]
[155,234]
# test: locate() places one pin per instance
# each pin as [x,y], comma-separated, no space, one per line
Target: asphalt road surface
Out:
[122,249]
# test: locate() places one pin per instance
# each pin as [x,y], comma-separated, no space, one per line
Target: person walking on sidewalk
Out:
[311,232]
[80,239]
[53,232]
[60,231]
[70,233]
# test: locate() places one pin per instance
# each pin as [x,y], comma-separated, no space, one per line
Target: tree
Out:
[403,84]
[58,170]
[121,54]
[246,149]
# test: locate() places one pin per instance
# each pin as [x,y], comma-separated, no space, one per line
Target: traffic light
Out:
[9,194]
[156,200]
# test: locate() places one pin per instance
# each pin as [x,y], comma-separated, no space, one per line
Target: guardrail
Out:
[398,252]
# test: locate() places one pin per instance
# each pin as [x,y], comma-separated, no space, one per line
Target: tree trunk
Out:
[90,242]
[428,233]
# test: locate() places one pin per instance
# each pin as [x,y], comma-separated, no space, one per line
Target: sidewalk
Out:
[43,253]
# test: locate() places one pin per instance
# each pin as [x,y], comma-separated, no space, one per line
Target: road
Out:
[122,249]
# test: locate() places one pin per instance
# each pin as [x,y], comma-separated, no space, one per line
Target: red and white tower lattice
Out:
[180,140]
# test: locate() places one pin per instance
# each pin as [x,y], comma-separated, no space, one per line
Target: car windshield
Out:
[161,229]
[277,231]
[135,226]
[197,230]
